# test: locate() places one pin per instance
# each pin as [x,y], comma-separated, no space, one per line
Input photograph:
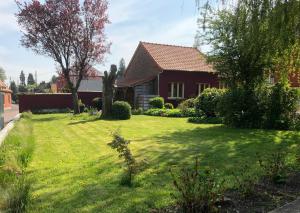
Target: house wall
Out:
[190,80]
[7,99]
[30,102]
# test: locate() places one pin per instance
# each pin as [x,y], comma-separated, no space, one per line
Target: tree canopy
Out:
[2,74]
[30,79]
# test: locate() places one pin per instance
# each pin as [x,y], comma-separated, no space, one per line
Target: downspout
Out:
[158,84]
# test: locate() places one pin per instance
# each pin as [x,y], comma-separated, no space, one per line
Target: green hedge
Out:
[157,103]
[121,110]
[169,113]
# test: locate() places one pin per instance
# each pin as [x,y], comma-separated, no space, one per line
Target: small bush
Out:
[157,103]
[205,120]
[208,101]
[138,111]
[188,103]
[155,112]
[189,112]
[81,106]
[175,113]
[169,106]
[274,166]
[97,103]
[121,110]
[121,145]
[197,190]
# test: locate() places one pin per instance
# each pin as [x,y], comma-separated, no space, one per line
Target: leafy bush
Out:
[189,112]
[274,166]
[138,111]
[208,101]
[81,106]
[172,113]
[97,103]
[282,107]
[169,106]
[155,112]
[121,110]
[197,190]
[157,103]
[205,120]
[188,103]
[121,145]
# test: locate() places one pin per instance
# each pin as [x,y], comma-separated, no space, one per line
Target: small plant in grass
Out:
[120,144]
[198,190]
[274,166]
[245,182]
[138,111]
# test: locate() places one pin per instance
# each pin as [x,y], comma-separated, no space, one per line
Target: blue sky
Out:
[160,21]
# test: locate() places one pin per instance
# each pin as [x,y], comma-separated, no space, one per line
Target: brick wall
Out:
[53,101]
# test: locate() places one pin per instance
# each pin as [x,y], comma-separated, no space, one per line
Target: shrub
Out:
[282,107]
[155,112]
[188,103]
[172,113]
[81,106]
[207,102]
[169,106]
[157,102]
[138,111]
[121,110]
[274,166]
[197,190]
[189,112]
[121,145]
[97,103]
[205,120]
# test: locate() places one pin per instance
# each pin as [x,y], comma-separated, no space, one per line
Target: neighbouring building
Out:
[7,95]
[92,82]
[172,72]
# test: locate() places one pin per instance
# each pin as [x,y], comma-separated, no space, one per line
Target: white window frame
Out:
[177,92]
[206,85]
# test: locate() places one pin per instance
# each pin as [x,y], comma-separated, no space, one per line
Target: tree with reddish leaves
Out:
[69,31]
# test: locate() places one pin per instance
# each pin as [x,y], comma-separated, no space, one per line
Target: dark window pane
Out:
[175,90]
[169,90]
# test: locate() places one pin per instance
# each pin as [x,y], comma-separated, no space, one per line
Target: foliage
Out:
[51,111]
[2,74]
[73,35]
[15,155]
[122,67]
[157,102]
[54,79]
[13,87]
[190,112]
[245,181]
[97,103]
[22,79]
[138,111]
[121,110]
[120,144]
[188,103]
[205,120]
[197,190]
[81,106]
[207,102]
[30,79]
[169,106]
[282,107]
[274,166]
[108,91]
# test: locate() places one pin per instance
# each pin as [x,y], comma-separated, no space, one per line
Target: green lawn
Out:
[74,170]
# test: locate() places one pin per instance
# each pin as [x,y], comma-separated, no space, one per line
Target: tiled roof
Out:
[3,87]
[178,58]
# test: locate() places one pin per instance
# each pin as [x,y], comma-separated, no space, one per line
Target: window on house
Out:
[202,86]
[175,90]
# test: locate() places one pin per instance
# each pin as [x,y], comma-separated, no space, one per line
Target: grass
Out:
[74,170]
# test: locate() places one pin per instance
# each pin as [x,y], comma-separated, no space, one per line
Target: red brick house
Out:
[172,72]
[7,95]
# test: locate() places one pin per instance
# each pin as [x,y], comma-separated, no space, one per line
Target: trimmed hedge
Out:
[175,113]
[157,103]
[169,106]
[121,110]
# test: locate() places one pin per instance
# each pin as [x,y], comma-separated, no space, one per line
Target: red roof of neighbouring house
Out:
[150,59]
[4,88]
[179,58]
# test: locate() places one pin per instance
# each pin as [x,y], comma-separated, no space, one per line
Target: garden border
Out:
[4,132]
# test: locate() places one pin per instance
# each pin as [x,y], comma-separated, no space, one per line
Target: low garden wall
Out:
[31,102]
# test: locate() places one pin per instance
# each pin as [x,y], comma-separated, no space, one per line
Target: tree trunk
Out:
[75,102]
[108,91]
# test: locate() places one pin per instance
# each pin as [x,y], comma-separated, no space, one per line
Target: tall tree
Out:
[53,79]
[30,79]
[71,32]
[22,79]
[14,89]
[108,91]
[122,67]
[2,74]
